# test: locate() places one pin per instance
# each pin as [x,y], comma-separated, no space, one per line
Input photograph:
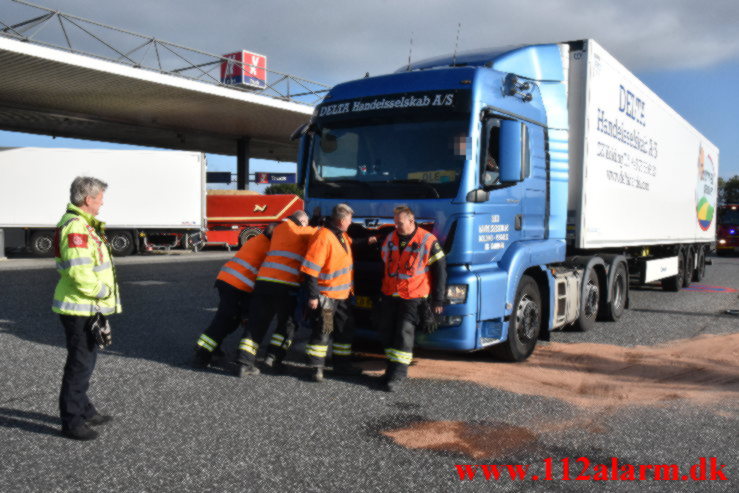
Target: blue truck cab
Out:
[477,146]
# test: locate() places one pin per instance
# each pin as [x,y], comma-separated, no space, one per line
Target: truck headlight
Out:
[456,294]
[721,241]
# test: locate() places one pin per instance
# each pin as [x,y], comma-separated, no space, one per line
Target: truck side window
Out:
[489,172]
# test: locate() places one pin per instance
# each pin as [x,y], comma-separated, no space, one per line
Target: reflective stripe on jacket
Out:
[327,260]
[286,254]
[407,272]
[87,283]
[241,271]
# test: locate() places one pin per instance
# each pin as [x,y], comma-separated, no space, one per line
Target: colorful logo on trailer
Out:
[244,68]
[705,191]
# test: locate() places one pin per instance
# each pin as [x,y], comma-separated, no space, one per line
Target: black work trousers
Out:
[399,319]
[233,309]
[332,319]
[279,304]
[74,404]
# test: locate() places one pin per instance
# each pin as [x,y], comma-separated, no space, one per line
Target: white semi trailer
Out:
[154,199]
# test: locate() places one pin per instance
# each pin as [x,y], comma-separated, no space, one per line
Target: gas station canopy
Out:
[54,92]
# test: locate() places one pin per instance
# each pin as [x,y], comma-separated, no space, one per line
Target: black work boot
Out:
[201,359]
[317,375]
[99,419]
[274,363]
[81,432]
[395,375]
[243,370]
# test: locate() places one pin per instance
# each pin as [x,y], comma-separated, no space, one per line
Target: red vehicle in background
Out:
[727,229]
[234,216]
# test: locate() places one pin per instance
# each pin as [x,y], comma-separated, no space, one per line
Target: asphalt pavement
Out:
[176,429]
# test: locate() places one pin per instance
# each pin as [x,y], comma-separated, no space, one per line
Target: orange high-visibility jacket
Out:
[327,260]
[241,271]
[286,254]
[407,273]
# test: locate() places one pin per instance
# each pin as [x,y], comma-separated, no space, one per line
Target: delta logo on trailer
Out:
[705,191]
[244,68]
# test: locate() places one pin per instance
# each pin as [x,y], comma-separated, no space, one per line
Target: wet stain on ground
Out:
[475,440]
[700,370]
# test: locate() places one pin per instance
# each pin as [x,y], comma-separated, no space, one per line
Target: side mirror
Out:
[303,158]
[513,151]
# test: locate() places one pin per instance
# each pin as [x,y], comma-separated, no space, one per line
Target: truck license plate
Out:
[364,302]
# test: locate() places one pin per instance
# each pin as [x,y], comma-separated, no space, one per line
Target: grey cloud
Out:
[333,40]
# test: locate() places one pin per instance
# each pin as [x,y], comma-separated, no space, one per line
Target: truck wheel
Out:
[589,303]
[689,267]
[121,243]
[675,283]
[248,234]
[523,330]
[700,269]
[612,310]
[42,243]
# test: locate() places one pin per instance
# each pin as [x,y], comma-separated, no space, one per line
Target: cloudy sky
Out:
[687,51]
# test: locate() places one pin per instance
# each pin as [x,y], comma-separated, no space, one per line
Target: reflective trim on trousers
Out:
[272,279]
[316,350]
[248,346]
[283,253]
[279,340]
[207,343]
[238,275]
[66,264]
[396,356]
[244,264]
[284,268]
[78,307]
[334,275]
[342,349]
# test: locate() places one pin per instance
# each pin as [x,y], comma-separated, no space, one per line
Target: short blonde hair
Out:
[340,211]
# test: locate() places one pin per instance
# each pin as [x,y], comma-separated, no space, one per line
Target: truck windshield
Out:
[388,159]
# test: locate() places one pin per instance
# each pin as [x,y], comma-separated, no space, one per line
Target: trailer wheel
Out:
[248,234]
[689,267]
[700,269]
[675,283]
[589,303]
[525,323]
[42,243]
[612,310]
[121,243]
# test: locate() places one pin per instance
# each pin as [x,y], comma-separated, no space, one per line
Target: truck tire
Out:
[613,309]
[675,283]
[589,303]
[121,243]
[42,243]
[248,234]
[525,324]
[700,268]
[689,266]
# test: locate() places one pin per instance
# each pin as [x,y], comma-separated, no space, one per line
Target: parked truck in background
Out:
[234,216]
[550,174]
[727,229]
[155,199]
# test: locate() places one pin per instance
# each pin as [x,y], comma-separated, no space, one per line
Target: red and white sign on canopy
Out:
[244,68]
